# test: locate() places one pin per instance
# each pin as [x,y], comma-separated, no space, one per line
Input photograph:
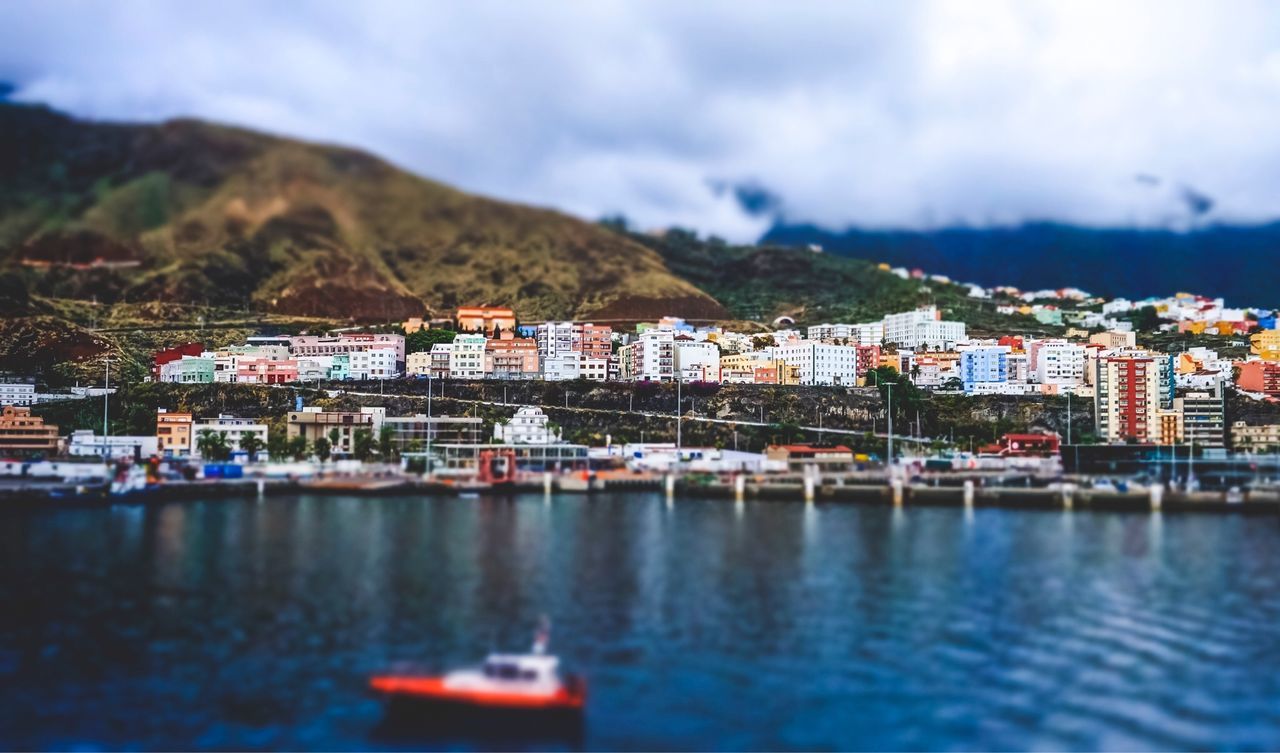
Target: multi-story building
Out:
[1203,417]
[562,367]
[1266,345]
[174,436]
[511,358]
[933,370]
[24,434]
[314,423]
[986,364]
[266,371]
[17,393]
[866,333]
[84,443]
[596,341]
[1127,397]
[1056,362]
[235,429]
[1114,339]
[696,361]
[820,363]
[374,363]
[557,338]
[776,372]
[1169,427]
[1260,376]
[418,364]
[162,357]
[414,433]
[922,328]
[485,319]
[188,370]
[594,369]
[304,346]
[441,357]
[1255,438]
[652,356]
[528,426]
[466,357]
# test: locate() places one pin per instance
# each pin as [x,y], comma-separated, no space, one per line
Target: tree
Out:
[424,339]
[212,445]
[277,444]
[322,449]
[384,443]
[298,447]
[252,445]
[335,439]
[362,444]
[760,342]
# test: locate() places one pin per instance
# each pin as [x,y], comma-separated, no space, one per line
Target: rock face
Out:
[191,212]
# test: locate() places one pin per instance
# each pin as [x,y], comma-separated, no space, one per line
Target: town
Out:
[1146,403]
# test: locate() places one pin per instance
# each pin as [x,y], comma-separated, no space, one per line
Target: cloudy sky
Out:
[876,113]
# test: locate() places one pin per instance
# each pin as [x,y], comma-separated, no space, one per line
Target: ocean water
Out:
[697,624]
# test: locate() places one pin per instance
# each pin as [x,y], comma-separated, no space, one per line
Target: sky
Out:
[874,114]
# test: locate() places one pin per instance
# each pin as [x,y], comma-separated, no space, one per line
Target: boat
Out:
[507,685]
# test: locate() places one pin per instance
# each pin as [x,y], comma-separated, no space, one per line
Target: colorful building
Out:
[174,433]
[485,319]
[1260,376]
[22,434]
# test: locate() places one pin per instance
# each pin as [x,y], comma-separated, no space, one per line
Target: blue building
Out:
[983,365]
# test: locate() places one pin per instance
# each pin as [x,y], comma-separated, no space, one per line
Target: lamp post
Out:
[679,400]
[106,400]
[889,411]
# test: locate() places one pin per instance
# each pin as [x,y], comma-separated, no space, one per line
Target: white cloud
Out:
[880,114]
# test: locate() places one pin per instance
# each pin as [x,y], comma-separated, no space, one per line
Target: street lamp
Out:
[889,410]
[106,399]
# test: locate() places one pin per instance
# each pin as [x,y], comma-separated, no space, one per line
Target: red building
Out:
[169,355]
[1023,445]
[1260,376]
[868,358]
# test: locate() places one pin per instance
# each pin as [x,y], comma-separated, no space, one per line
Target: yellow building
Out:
[173,433]
[1266,345]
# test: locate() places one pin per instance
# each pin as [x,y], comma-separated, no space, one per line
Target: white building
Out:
[562,367]
[922,328]
[652,356]
[418,364]
[17,393]
[466,357]
[697,361]
[820,363]
[557,338]
[376,363]
[236,429]
[595,369]
[84,443]
[1057,362]
[528,426]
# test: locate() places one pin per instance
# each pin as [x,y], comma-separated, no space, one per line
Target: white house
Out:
[528,426]
[820,363]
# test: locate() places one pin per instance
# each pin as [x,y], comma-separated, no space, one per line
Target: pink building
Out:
[266,371]
[303,346]
[596,340]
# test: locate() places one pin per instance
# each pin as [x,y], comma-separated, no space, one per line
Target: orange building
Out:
[485,319]
[24,434]
[173,433]
[511,358]
[1260,376]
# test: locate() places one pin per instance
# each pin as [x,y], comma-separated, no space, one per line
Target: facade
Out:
[174,435]
[303,346]
[597,341]
[415,433]
[986,364]
[485,319]
[374,363]
[558,338]
[1260,376]
[868,333]
[441,357]
[236,430]
[418,364]
[23,434]
[528,426]
[314,423]
[1127,398]
[652,356]
[1057,362]
[802,457]
[17,393]
[922,328]
[167,355]
[265,371]
[84,443]
[1114,339]
[1203,417]
[696,360]
[466,357]
[1259,438]
[562,368]
[511,358]
[1266,345]
[188,370]
[820,363]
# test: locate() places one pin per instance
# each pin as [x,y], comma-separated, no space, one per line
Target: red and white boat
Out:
[522,684]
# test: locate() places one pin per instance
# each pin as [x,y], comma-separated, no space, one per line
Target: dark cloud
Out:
[884,114]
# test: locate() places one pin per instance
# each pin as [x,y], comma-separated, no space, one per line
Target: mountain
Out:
[186,211]
[1219,260]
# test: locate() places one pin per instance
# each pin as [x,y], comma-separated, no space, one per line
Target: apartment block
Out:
[466,357]
[511,358]
[820,363]
[1260,376]
[922,328]
[314,423]
[24,434]
[1127,397]
[235,428]
[1203,417]
[174,436]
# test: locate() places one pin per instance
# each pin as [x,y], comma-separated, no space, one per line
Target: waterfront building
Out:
[1169,427]
[14,392]
[1255,438]
[173,433]
[987,364]
[820,363]
[414,433]
[374,363]
[236,429]
[1023,445]
[188,370]
[23,434]
[1128,394]
[485,319]
[803,457]
[466,357]
[1203,417]
[511,357]
[922,328]
[1260,376]
[314,423]
[84,443]
[529,425]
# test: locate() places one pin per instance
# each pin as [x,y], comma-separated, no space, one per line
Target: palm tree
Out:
[335,439]
[212,445]
[252,445]
[322,449]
